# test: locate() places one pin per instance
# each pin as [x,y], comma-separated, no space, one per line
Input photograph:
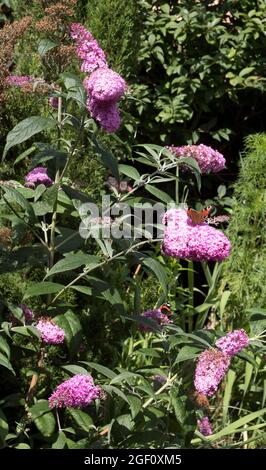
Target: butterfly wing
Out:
[197,217]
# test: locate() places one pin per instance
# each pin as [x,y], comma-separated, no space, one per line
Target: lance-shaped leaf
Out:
[25,129]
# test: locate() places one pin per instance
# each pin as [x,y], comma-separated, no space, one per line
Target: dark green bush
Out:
[245,270]
[202,71]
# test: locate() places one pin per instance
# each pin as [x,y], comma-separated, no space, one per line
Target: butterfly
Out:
[197,217]
[165,308]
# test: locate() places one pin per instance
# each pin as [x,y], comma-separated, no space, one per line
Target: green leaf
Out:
[41,188]
[60,441]
[5,363]
[135,405]
[74,369]
[4,347]
[178,405]
[82,419]
[13,194]
[102,369]
[83,289]
[187,352]
[73,330]
[43,288]
[74,88]
[230,379]
[40,408]
[46,45]
[108,159]
[158,270]
[25,129]
[129,171]
[161,195]
[22,445]
[4,428]
[73,261]
[110,389]
[46,424]
[233,427]
[123,376]
[27,331]
[24,154]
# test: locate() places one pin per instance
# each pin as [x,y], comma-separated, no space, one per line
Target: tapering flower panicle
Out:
[38,176]
[77,392]
[50,332]
[212,366]
[87,48]
[104,86]
[198,242]
[204,426]
[233,342]
[157,316]
[209,160]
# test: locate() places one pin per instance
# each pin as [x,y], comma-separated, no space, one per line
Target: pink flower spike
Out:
[211,367]
[50,332]
[204,426]
[233,342]
[209,160]
[198,242]
[38,176]
[77,392]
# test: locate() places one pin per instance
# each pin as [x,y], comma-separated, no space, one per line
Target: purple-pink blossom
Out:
[77,392]
[198,242]
[204,426]
[233,342]
[212,366]
[38,176]
[105,85]
[50,332]
[157,316]
[105,113]
[19,80]
[53,102]
[87,48]
[209,160]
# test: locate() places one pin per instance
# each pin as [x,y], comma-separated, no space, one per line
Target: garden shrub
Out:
[201,72]
[244,272]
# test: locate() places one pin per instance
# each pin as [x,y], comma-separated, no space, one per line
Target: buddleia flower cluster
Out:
[208,159]
[104,86]
[198,242]
[77,392]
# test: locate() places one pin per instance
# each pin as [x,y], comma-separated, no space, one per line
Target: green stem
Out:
[177,185]
[191,295]
[53,224]
[58,420]
[89,270]
[167,383]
